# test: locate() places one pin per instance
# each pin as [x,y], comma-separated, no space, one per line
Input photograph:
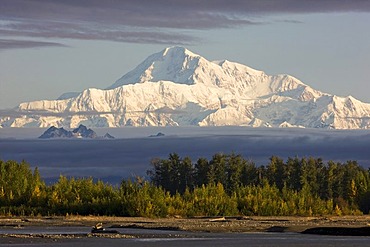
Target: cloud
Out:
[169,13]
[279,6]
[17,44]
[290,21]
[148,21]
[132,155]
[147,14]
[16,113]
[38,29]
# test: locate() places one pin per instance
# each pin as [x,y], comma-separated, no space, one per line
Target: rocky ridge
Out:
[80,132]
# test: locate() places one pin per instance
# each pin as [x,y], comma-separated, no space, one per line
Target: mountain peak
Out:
[181,66]
[228,65]
[178,51]
[175,64]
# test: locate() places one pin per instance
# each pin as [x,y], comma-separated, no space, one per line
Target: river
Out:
[158,238]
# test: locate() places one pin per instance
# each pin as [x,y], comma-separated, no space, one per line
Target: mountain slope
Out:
[177,87]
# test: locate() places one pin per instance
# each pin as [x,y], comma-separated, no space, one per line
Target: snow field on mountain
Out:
[176,87]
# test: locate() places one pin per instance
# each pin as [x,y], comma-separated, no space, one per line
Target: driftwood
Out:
[221,219]
[98,228]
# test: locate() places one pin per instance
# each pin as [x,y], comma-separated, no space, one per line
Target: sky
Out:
[49,47]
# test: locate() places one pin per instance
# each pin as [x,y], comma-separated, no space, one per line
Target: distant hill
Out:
[81,132]
[159,134]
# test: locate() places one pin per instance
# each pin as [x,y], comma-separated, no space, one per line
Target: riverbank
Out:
[197,224]
[74,229]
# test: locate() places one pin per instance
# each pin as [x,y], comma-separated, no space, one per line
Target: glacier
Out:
[176,87]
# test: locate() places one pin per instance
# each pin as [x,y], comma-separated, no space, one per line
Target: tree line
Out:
[227,185]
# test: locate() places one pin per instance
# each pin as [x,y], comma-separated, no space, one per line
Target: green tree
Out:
[201,171]
[217,171]
[276,172]
[249,174]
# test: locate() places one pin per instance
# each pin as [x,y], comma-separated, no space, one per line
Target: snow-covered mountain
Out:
[177,87]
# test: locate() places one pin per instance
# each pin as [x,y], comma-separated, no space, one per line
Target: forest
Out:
[225,185]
